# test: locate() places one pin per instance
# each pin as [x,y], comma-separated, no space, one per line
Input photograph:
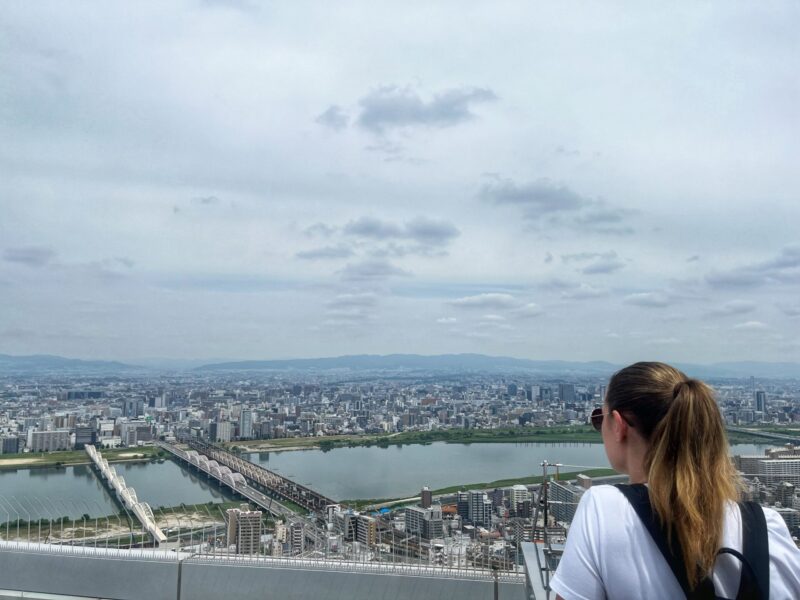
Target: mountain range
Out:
[403,363]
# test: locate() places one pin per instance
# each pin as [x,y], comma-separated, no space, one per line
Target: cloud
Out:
[667,341]
[556,205]
[734,307]
[31,256]
[789,310]
[124,261]
[319,229]
[603,219]
[371,270]
[446,320]
[537,198]
[583,291]
[430,232]
[361,300]
[334,118]
[572,290]
[326,252]
[783,268]
[528,311]
[427,233]
[201,205]
[393,107]
[751,326]
[648,299]
[486,301]
[350,310]
[206,200]
[373,228]
[602,263]
[693,258]
[496,318]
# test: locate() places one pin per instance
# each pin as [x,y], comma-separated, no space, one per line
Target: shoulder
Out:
[603,497]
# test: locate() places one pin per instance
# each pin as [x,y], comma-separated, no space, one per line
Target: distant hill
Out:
[417,362]
[394,363]
[767,370]
[479,363]
[45,363]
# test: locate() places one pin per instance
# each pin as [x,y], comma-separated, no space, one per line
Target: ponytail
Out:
[690,474]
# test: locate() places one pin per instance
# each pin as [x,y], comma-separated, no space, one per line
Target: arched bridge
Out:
[227,466]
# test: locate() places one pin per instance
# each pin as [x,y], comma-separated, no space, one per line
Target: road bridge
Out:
[793,439]
[127,495]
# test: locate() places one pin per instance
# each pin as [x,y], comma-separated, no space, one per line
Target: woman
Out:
[664,429]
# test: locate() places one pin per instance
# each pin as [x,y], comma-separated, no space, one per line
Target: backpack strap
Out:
[754,583]
[639,498]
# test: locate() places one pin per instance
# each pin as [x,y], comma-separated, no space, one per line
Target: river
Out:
[342,473]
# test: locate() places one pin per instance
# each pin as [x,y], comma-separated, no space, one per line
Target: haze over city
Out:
[223,180]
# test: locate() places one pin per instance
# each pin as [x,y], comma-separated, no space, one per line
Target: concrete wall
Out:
[133,575]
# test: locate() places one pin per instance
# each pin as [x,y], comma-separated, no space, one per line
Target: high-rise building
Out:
[84,436]
[244,529]
[512,389]
[761,401]
[519,493]
[425,522]
[49,441]
[426,497]
[246,424]
[564,497]
[480,508]
[297,537]
[546,395]
[566,393]
[221,431]
[133,408]
[462,505]
[774,471]
[367,530]
[10,445]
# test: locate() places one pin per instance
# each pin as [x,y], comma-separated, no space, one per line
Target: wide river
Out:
[343,473]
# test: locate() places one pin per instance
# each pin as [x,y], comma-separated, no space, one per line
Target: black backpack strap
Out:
[639,498]
[754,584]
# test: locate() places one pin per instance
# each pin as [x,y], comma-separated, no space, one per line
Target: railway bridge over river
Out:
[276,484]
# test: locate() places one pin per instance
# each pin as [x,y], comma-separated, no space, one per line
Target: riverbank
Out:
[584,434]
[78,457]
[376,504]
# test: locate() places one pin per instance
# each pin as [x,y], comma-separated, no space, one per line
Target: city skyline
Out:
[225,180]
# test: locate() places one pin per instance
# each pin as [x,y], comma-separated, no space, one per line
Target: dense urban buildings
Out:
[45,414]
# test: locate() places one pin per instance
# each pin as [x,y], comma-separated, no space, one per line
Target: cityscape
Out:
[218,424]
[363,300]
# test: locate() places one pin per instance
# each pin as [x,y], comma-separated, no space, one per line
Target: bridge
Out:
[276,484]
[225,477]
[127,495]
[793,439]
[238,484]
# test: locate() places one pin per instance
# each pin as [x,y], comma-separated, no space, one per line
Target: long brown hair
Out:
[689,471]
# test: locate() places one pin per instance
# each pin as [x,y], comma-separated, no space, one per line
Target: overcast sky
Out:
[571,180]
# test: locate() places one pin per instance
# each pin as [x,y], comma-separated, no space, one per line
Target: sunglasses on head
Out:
[596,418]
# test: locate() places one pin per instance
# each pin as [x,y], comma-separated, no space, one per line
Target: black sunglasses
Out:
[596,418]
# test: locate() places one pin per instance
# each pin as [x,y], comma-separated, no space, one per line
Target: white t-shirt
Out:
[610,554]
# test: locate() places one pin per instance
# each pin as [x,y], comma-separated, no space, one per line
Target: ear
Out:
[620,427]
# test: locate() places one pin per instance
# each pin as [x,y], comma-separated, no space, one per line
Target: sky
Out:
[248,180]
